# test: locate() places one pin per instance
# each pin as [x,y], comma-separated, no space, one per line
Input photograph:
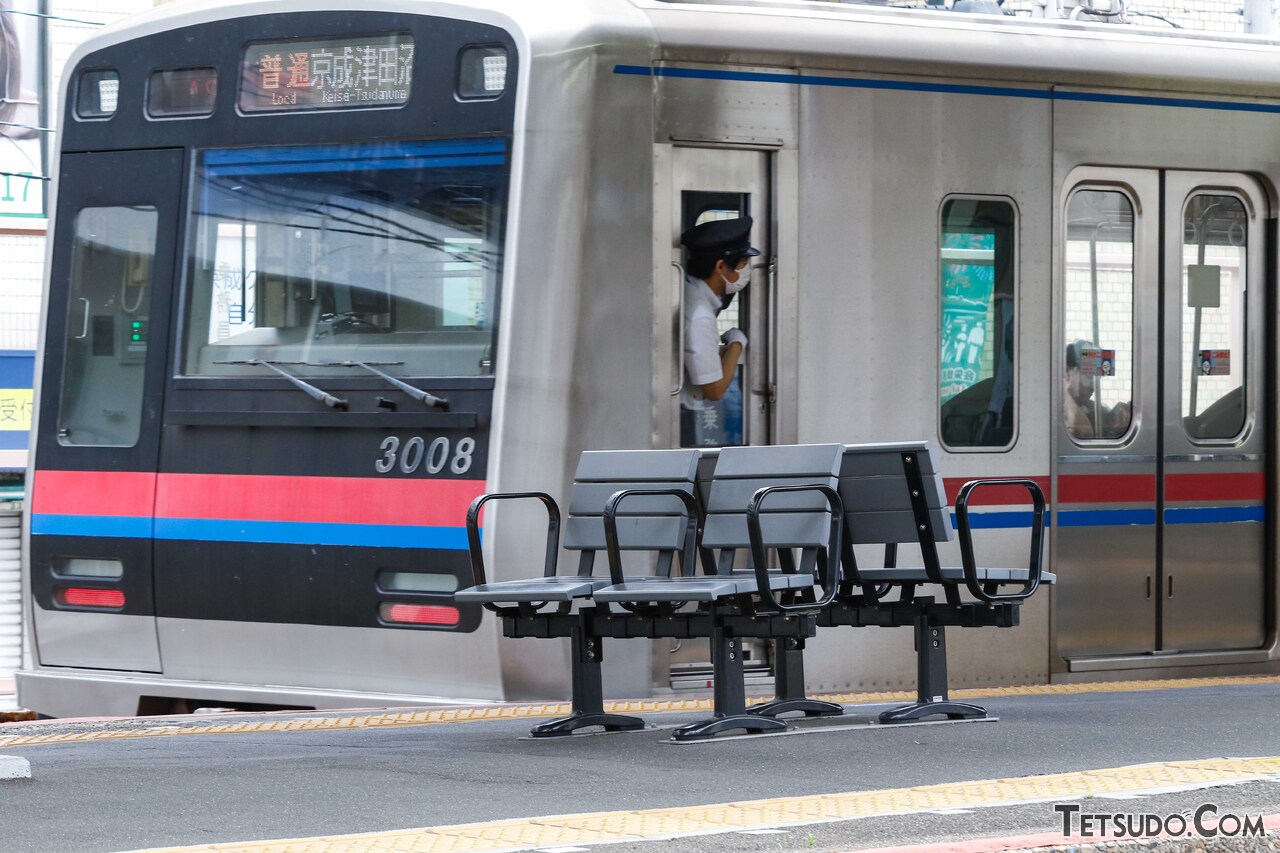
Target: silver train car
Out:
[1048,247]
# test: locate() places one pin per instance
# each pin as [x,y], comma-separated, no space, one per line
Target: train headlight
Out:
[482,72]
[97,94]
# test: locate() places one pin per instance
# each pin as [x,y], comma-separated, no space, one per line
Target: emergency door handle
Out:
[675,392]
[84,327]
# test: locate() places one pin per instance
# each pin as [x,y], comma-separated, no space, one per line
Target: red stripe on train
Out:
[347,500]
[110,493]
[994,495]
[1106,488]
[1215,487]
[340,500]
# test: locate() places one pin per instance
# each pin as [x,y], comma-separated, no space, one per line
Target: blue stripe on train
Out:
[942,88]
[281,532]
[1144,517]
[455,538]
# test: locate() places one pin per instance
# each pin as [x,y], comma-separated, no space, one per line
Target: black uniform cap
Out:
[723,238]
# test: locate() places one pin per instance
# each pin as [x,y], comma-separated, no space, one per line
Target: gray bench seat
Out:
[559,588]
[697,588]
[951,574]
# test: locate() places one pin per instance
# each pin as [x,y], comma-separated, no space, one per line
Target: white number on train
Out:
[415,453]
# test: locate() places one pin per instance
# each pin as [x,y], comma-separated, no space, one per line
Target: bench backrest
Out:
[876,488]
[645,522]
[788,519]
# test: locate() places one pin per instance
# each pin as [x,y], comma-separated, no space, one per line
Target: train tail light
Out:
[104,599]
[418,614]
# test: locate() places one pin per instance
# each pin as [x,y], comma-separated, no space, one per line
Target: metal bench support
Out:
[788,685]
[730,699]
[931,676]
[588,697]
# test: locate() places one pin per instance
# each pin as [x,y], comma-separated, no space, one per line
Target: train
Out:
[320,273]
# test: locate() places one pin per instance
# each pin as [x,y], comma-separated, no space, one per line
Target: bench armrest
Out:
[687,549]
[966,541]
[828,561]
[473,531]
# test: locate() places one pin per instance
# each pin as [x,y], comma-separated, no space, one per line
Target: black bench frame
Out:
[850,597]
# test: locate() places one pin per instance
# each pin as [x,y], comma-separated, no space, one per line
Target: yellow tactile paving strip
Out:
[580,829]
[384,719]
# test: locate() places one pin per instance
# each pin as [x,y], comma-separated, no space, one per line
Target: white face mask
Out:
[744,277]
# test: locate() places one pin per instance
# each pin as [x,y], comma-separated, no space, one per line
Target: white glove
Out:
[734,336]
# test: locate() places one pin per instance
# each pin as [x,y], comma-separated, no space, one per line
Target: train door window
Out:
[706,423]
[1098,315]
[978,340]
[1214,250]
[107,326]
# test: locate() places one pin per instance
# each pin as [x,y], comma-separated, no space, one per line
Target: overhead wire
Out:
[38,129]
[51,17]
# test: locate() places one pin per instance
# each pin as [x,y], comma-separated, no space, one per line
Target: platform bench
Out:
[757,499]
[893,495]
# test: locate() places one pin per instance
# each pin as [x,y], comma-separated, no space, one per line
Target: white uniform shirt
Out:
[702,364]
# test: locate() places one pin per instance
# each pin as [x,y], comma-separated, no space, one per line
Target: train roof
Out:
[819,34]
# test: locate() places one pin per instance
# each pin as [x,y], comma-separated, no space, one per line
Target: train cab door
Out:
[698,185]
[100,403]
[1160,494]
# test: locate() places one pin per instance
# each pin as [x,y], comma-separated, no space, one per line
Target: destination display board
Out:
[325,74]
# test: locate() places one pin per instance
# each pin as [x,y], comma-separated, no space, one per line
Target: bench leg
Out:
[788,684]
[931,679]
[730,695]
[588,698]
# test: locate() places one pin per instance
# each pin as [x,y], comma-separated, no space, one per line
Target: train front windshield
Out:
[318,256]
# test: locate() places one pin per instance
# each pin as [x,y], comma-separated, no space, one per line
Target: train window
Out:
[97,94]
[327,255]
[182,92]
[978,340]
[1098,366]
[107,326]
[482,72]
[1214,247]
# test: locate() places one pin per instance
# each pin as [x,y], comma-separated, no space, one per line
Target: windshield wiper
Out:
[310,390]
[424,397]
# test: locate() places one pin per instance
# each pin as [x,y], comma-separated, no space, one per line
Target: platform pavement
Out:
[469,780]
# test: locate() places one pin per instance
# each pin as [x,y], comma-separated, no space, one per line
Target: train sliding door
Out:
[1160,479]
[98,437]
[707,184]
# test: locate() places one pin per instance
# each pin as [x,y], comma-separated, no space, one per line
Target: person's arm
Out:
[728,364]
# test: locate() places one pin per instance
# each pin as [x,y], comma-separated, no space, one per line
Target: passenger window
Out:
[1098,366]
[108,321]
[1214,245]
[978,342]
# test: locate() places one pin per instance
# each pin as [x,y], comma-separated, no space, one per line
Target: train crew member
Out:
[1084,416]
[718,265]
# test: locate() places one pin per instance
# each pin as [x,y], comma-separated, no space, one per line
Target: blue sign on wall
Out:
[17,369]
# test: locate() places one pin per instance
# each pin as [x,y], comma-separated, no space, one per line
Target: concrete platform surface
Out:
[1066,763]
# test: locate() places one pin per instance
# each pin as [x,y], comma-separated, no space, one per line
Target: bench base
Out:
[724,723]
[566,726]
[920,710]
[809,707]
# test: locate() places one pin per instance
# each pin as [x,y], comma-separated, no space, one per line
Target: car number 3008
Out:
[415,454]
